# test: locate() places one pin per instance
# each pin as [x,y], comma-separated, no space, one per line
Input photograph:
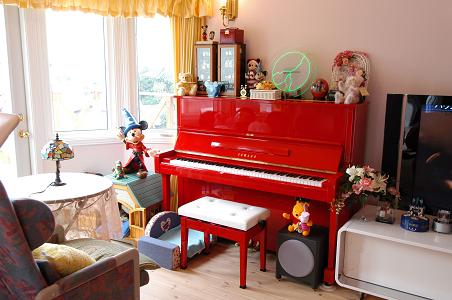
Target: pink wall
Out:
[409,43]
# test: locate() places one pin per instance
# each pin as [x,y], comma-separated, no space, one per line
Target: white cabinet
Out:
[389,262]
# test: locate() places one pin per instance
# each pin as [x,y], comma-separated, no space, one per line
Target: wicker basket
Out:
[265,94]
[356,60]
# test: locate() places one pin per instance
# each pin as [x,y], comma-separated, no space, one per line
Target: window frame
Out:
[121,81]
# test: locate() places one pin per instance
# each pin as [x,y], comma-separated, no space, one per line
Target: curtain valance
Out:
[125,8]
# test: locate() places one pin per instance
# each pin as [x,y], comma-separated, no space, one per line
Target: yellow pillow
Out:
[66,260]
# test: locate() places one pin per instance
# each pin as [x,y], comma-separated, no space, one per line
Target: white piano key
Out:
[242,171]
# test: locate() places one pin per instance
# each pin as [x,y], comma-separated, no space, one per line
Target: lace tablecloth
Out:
[85,206]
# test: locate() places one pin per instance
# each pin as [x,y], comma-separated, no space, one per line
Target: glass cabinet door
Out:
[231,67]
[227,55]
[205,65]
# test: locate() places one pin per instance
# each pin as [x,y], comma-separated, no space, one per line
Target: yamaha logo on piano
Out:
[246,155]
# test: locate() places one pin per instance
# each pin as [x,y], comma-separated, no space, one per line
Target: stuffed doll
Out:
[304,224]
[132,136]
[255,73]
[204,32]
[297,211]
[185,86]
[349,90]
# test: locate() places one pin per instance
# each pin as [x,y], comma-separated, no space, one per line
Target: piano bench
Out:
[231,220]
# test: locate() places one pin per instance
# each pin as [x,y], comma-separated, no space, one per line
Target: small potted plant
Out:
[359,183]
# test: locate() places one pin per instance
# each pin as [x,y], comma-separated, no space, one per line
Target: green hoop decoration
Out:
[284,81]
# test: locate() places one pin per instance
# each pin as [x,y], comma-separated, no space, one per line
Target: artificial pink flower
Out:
[357,188]
[393,191]
[368,169]
[366,184]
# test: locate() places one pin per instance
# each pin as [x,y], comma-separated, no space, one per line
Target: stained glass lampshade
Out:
[57,150]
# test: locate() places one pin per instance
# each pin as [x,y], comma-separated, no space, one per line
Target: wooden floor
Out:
[216,276]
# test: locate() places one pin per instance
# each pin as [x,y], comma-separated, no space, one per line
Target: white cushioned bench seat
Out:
[223,212]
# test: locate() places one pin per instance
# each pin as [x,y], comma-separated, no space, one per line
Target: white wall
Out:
[99,158]
[409,43]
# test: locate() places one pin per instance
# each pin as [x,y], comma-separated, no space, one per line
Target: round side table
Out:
[85,206]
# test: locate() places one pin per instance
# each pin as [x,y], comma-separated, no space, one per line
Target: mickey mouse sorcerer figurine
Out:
[132,136]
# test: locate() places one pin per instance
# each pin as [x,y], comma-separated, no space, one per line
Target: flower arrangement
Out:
[359,183]
[265,85]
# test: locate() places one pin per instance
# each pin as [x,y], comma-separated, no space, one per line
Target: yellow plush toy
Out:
[185,86]
[297,210]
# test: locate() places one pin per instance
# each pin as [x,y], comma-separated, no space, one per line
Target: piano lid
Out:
[312,156]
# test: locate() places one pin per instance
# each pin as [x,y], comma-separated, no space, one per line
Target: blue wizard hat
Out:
[129,121]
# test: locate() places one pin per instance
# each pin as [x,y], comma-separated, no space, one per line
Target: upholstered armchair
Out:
[26,224]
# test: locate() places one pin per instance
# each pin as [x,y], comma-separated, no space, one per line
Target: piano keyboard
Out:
[243,171]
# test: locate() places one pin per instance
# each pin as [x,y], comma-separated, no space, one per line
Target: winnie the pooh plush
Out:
[185,86]
[349,90]
[297,211]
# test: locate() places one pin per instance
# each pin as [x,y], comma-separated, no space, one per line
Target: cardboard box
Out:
[231,36]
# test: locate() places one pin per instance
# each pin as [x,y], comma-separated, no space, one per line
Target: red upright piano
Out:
[266,153]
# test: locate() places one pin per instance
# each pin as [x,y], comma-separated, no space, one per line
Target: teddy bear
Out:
[349,90]
[255,73]
[185,86]
[297,211]
[304,224]
[132,136]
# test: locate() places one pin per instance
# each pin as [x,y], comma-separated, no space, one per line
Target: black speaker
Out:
[302,258]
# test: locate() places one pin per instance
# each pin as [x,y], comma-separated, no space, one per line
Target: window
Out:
[77,71]
[155,72]
[90,67]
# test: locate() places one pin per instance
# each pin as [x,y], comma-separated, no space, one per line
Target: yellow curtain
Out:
[186,31]
[125,8]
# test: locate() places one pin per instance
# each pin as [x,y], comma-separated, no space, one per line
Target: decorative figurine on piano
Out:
[300,225]
[414,219]
[118,171]
[204,32]
[255,72]
[132,136]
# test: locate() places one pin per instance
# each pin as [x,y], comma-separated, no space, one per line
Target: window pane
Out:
[155,72]
[8,168]
[77,70]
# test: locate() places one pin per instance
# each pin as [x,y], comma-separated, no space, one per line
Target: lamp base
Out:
[57,183]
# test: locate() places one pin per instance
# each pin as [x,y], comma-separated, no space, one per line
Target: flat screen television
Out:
[417,148]
[433,178]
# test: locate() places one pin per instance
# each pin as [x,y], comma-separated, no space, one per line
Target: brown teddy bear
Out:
[185,86]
